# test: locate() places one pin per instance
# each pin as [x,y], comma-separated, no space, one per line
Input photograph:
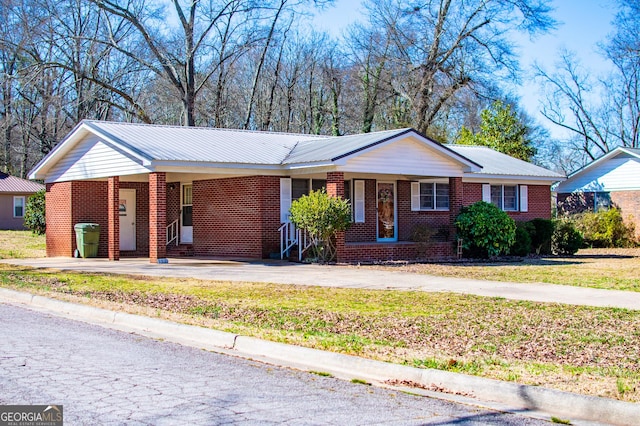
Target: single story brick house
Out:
[13,200]
[216,192]
[611,180]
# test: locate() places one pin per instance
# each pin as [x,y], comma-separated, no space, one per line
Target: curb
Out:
[519,398]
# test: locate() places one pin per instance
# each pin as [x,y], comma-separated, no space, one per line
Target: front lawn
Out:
[594,351]
[613,269]
[21,245]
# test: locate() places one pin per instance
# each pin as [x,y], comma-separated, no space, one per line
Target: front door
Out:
[186,218]
[127,213]
[387,225]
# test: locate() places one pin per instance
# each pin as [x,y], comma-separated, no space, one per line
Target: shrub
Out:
[322,217]
[522,244]
[486,231]
[541,235]
[34,213]
[566,239]
[604,229]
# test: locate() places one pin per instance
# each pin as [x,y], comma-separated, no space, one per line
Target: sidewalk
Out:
[280,272]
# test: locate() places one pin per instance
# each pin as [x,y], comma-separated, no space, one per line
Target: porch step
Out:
[181,250]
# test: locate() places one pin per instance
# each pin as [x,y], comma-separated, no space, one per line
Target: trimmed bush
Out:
[541,235]
[322,216]
[486,231]
[522,244]
[566,240]
[34,213]
[604,229]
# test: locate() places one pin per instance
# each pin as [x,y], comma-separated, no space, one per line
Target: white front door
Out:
[127,219]
[186,219]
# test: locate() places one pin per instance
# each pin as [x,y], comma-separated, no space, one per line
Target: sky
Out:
[582,24]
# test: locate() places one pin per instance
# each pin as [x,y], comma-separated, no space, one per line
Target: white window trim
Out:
[24,205]
[415,196]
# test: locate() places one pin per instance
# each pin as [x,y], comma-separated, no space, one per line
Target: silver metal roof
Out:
[200,144]
[12,184]
[497,163]
[336,147]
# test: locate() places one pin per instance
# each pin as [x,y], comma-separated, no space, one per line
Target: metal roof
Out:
[12,184]
[201,144]
[336,147]
[495,163]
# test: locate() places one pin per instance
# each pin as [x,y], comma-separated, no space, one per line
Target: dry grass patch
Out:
[21,245]
[615,269]
[595,351]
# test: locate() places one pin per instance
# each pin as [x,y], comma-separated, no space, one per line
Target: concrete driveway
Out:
[280,272]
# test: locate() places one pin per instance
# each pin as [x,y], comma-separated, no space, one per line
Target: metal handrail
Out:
[172,232]
[288,238]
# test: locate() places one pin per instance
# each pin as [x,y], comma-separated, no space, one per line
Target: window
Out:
[18,206]
[429,196]
[299,187]
[602,201]
[506,197]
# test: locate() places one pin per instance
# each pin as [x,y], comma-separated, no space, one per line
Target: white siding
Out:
[92,158]
[405,157]
[617,174]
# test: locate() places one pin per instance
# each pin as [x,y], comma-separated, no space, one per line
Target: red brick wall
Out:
[60,237]
[173,202]
[89,205]
[375,252]
[270,206]
[365,232]
[539,197]
[227,217]
[629,204]
[407,219]
[157,216]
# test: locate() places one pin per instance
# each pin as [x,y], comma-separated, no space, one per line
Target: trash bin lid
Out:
[87,227]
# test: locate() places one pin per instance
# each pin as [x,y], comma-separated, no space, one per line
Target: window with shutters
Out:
[506,197]
[430,196]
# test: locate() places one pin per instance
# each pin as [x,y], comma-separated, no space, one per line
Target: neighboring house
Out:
[13,200]
[228,192]
[611,180]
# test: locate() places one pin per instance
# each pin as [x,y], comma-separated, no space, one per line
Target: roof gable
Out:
[618,170]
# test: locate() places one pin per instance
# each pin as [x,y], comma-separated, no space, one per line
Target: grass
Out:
[602,268]
[21,245]
[595,351]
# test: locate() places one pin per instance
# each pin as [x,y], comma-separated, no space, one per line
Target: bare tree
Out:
[442,46]
[600,114]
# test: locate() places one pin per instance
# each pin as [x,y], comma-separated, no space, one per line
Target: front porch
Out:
[206,215]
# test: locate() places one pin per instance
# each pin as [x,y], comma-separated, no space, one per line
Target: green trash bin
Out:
[87,239]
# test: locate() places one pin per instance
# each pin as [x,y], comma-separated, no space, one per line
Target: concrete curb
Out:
[521,398]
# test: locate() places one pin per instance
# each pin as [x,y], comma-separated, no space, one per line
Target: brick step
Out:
[181,250]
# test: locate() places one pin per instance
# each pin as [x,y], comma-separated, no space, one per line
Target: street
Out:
[102,376]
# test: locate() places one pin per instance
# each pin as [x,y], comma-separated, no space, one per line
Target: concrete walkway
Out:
[341,276]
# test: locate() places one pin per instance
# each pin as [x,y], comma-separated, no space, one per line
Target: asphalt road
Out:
[102,376]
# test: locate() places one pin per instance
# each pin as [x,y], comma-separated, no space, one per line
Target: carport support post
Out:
[113,197]
[335,188]
[157,217]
